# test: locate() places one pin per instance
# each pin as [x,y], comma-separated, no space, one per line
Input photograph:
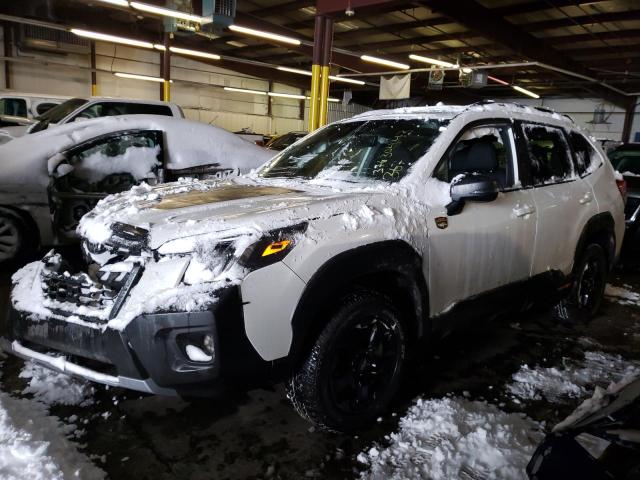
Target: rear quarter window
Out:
[586,158]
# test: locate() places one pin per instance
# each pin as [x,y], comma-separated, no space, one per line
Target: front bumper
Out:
[147,356]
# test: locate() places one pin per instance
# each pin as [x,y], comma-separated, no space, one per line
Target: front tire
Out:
[354,369]
[15,241]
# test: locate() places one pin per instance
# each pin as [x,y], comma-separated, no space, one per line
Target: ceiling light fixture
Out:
[466,70]
[525,91]
[432,61]
[244,90]
[497,80]
[263,34]
[383,61]
[346,80]
[286,95]
[118,3]
[194,53]
[166,12]
[111,38]
[294,70]
[140,77]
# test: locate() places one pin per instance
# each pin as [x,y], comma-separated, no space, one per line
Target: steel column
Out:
[327,44]
[166,69]
[629,113]
[7,33]
[316,72]
[94,75]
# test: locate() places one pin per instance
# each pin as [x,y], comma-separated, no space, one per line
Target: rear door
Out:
[109,164]
[563,200]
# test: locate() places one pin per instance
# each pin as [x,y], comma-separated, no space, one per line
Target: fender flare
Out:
[393,262]
[602,228]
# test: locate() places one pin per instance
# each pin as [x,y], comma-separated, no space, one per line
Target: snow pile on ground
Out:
[622,295]
[54,388]
[572,380]
[455,438]
[33,445]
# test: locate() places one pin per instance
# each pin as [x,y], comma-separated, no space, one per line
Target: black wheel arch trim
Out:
[601,229]
[392,261]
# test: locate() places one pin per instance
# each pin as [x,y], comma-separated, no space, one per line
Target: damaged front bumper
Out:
[152,352]
[148,355]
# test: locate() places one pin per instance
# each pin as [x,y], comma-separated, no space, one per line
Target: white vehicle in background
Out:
[50,179]
[333,264]
[21,109]
[80,109]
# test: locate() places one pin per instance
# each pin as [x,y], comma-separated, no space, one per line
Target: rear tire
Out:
[17,241]
[587,291]
[355,367]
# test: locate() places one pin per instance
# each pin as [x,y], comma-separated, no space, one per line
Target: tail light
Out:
[622,187]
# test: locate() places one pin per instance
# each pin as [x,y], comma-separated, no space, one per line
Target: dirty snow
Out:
[573,379]
[453,438]
[622,295]
[54,388]
[34,445]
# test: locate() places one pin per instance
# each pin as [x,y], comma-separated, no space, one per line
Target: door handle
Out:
[586,198]
[524,210]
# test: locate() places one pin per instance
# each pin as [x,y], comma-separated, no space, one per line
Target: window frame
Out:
[516,184]
[19,99]
[523,150]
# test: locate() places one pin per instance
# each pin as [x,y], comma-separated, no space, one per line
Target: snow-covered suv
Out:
[334,262]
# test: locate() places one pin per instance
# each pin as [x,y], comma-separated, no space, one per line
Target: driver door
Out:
[105,165]
[487,245]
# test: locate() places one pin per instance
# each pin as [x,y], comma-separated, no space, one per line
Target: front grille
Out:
[630,208]
[78,290]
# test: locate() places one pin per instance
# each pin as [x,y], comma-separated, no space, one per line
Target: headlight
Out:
[272,248]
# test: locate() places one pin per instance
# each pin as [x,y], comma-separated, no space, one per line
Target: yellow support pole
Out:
[94,90]
[166,91]
[314,100]
[324,97]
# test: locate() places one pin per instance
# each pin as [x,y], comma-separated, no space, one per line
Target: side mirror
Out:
[474,188]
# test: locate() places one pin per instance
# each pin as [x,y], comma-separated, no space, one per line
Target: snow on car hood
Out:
[190,208]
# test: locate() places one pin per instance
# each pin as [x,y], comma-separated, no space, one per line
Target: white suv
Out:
[332,263]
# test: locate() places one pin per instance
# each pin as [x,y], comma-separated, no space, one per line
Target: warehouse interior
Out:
[586,52]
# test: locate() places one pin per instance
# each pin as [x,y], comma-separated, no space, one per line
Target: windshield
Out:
[285,140]
[358,151]
[57,113]
[626,160]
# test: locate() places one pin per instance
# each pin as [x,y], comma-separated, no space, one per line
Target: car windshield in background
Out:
[57,113]
[285,141]
[358,151]
[626,160]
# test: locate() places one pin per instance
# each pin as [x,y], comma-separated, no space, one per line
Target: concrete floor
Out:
[258,435]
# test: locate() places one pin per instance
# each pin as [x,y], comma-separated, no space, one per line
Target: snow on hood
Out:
[188,144]
[223,209]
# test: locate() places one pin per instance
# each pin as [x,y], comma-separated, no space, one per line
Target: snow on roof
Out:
[450,111]
[23,160]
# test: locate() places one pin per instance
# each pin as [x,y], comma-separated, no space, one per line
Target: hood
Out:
[222,209]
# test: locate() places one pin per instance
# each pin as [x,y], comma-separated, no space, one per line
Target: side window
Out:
[43,107]
[585,156]
[92,111]
[485,150]
[113,164]
[549,157]
[16,107]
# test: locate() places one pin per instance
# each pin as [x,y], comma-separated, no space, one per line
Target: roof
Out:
[33,95]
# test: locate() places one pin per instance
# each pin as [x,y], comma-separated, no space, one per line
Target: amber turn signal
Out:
[276,247]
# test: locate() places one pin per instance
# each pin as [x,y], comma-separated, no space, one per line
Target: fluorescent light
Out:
[382,61]
[244,90]
[286,95]
[334,100]
[111,38]
[140,77]
[432,61]
[194,53]
[294,70]
[159,46]
[497,80]
[119,3]
[235,43]
[525,91]
[262,34]
[466,70]
[346,80]
[167,12]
